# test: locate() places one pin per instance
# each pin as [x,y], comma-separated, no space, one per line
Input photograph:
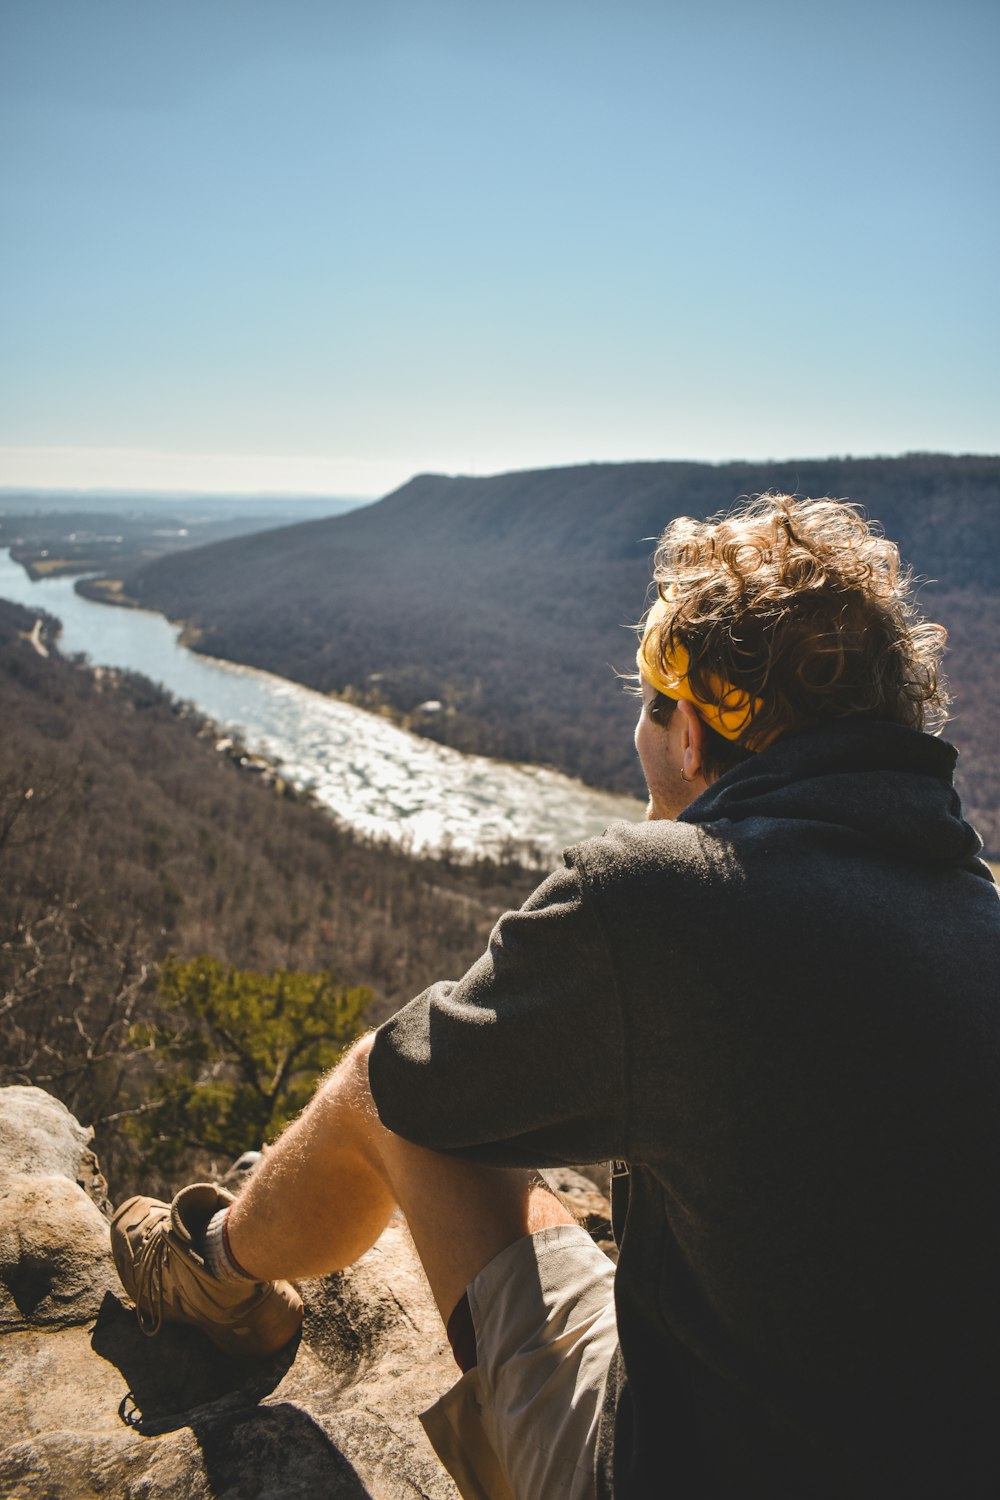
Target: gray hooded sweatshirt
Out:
[782,1011]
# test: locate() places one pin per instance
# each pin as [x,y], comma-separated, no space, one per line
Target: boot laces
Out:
[152,1258]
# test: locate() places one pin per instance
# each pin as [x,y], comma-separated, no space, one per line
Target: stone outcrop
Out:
[90,1407]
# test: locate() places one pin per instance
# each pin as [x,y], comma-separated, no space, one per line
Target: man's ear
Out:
[692,741]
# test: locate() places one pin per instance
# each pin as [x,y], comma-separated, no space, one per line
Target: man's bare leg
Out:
[325,1191]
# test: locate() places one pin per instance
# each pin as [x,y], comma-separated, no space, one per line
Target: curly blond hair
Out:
[804,605]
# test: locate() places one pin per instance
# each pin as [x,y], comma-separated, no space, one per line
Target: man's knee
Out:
[342,1113]
[347,1081]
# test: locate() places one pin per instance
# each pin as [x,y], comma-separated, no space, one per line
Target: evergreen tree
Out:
[238,1053]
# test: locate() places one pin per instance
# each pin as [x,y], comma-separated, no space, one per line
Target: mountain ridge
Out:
[509,598]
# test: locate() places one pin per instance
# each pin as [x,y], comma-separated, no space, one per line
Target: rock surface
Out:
[54,1263]
[90,1407]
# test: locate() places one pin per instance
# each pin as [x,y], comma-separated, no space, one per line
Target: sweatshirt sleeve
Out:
[521,1062]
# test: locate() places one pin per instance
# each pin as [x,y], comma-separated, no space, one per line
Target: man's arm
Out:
[449,1105]
[522,1062]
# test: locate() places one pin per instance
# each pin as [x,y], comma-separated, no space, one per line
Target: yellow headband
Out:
[730,709]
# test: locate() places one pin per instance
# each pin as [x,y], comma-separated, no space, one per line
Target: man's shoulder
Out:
[657,851]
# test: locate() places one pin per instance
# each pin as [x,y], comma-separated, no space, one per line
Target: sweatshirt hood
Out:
[892,785]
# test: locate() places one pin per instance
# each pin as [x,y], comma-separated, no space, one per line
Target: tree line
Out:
[129,844]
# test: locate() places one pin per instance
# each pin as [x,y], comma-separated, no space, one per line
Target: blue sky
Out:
[307,246]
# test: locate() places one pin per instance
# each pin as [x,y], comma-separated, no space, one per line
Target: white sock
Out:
[218,1257]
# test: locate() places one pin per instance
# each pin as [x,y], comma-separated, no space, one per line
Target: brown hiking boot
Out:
[155,1252]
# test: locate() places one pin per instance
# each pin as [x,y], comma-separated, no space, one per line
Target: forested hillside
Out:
[510,599]
[126,837]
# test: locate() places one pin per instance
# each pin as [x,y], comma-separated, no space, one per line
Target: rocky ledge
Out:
[90,1407]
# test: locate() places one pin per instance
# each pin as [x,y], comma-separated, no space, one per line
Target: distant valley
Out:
[54,532]
[126,836]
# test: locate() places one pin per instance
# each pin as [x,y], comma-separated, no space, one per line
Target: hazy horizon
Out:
[9,491]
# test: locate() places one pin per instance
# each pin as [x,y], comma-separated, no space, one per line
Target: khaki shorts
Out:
[522,1424]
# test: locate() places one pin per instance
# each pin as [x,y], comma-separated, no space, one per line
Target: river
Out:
[368,773]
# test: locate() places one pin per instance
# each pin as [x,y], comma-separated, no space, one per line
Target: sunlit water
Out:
[371,775]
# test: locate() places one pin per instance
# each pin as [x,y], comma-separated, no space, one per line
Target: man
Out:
[773,1005]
